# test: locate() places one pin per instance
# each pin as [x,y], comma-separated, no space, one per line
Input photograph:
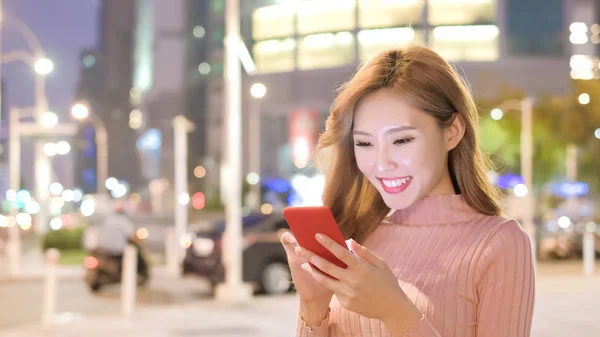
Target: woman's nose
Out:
[384,160]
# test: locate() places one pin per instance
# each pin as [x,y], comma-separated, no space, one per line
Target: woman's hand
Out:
[314,298]
[367,286]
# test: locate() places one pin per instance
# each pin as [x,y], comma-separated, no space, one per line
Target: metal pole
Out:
[527,169]
[181,129]
[102,155]
[43,166]
[14,239]
[254,151]
[233,291]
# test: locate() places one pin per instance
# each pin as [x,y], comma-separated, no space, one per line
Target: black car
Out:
[264,259]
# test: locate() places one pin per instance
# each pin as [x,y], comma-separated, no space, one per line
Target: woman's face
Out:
[402,150]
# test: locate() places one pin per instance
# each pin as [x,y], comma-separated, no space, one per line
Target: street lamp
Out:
[257,91]
[43,66]
[526,107]
[81,111]
[49,120]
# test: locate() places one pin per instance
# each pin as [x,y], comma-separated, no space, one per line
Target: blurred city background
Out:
[129,101]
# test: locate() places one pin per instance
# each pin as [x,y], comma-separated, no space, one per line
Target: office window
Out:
[389,13]
[466,43]
[535,27]
[218,6]
[218,37]
[326,50]
[274,55]
[272,22]
[462,12]
[374,41]
[321,16]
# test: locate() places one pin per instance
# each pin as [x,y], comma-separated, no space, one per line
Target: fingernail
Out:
[319,237]
[305,266]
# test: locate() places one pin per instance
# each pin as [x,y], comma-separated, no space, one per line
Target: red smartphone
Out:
[305,222]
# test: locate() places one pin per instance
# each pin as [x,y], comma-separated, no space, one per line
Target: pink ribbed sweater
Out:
[468,273]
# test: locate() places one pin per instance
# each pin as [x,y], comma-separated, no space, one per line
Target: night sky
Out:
[64,28]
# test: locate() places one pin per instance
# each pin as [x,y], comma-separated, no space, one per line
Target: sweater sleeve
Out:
[506,284]
[505,287]
[320,330]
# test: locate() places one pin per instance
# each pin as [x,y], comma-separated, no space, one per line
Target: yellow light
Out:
[80,111]
[584,99]
[136,198]
[266,208]
[253,178]
[142,233]
[200,171]
[24,220]
[43,66]
[258,90]
[49,120]
[50,149]
[63,147]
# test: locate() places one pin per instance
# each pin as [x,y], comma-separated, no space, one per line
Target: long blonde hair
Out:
[433,86]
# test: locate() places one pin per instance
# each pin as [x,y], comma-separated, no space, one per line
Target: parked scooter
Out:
[104,268]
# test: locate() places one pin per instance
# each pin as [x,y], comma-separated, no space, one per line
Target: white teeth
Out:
[395,182]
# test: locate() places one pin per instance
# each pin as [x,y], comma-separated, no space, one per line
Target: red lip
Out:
[397,189]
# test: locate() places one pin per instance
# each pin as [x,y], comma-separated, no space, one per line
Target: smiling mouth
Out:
[395,185]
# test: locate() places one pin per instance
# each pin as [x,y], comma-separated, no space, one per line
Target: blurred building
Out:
[165,57]
[304,49]
[105,86]
[90,92]
[117,27]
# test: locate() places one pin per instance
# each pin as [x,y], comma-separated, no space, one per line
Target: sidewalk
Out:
[567,303]
[32,268]
[263,317]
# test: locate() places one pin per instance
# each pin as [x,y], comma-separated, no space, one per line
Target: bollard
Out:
[13,250]
[129,280]
[50,286]
[589,253]
[171,252]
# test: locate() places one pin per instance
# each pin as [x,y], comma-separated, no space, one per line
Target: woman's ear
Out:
[454,133]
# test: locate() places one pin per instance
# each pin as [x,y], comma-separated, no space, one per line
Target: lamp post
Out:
[42,67]
[47,127]
[257,91]
[182,127]
[525,106]
[233,290]
[81,111]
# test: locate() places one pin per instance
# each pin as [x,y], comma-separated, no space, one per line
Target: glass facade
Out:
[333,33]
[385,13]
[535,27]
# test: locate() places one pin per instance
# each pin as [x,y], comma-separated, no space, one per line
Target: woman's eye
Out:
[363,144]
[402,141]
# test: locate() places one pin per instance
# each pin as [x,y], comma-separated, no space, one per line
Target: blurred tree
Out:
[557,122]
[500,139]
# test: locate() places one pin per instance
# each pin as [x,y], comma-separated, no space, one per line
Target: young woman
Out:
[430,254]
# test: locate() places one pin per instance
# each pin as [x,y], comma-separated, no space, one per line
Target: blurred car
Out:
[563,241]
[264,259]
